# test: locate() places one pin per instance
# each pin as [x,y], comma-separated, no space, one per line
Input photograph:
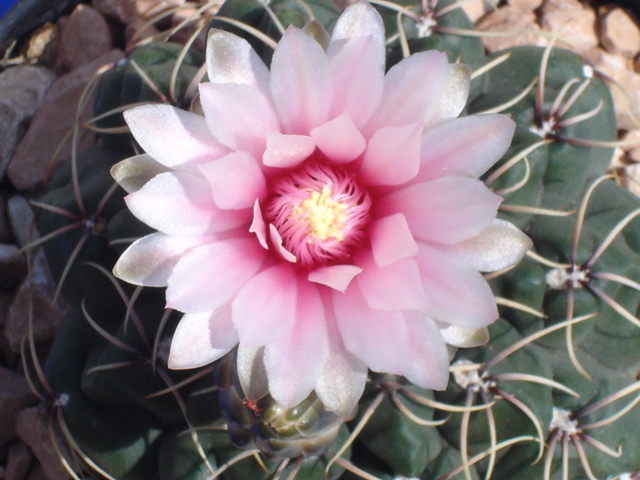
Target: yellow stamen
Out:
[323,215]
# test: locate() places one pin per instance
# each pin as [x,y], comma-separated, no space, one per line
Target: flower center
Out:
[320,212]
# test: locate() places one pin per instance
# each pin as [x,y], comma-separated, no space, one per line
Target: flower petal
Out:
[286,151]
[172,136]
[339,139]
[465,146]
[499,245]
[455,96]
[236,180]
[252,372]
[238,116]
[392,156]
[258,226]
[426,359]
[265,308]
[456,293]
[391,240]
[464,337]
[230,59]
[300,82]
[294,363]
[447,210]
[358,85]
[362,329]
[394,287]
[276,240]
[341,382]
[209,276]
[150,260]
[202,338]
[413,89]
[133,172]
[181,204]
[337,277]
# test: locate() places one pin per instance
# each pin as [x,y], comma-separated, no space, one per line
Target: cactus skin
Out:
[110,389]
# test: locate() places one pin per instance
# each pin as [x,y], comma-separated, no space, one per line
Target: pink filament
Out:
[299,185]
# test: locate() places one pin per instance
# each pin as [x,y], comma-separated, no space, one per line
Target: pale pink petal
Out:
[300,82]
[456,293]
[172,136]
[286,151]
[230,59]
[391,240]
[202,338]
[378,338]
[500,245]
[394,287]
[339,139]
[337,277]
[236,180]
[252,372]
[357,71]
[258,225]
[341,382]
[276,240]
[463,337]
[360,19]
[238,116]
[133,172]
[455,96]
[447,210]
[264,310]
[413,89]
[294,363]
[182,205]
[209,276]
[150,260]
[392,156]
[426,360]
[465,146]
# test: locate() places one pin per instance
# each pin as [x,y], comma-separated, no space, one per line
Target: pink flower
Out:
[323,216]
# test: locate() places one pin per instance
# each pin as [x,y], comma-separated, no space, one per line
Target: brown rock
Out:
[5,230]
[139,29]
[477,9]
[121,10]
[85,37]
[189,21]
[525,5]
[15,395]
[512,26]
[32,432]
[150,8]
[21,91]
[18,460]
[575,22]
[34,157]
[626,96]
[22,220]
[13,266]
[37,474]
[619,33]
[35,299]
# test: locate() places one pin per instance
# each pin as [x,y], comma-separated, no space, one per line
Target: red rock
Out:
[15,395]
[31,431]
[85,37]
[34,157]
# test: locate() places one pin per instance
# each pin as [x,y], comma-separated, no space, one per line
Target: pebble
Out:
[18,461]
[575,22]
[22,88]
[619,33]
[521,28]
[84,38]
[13,266]
[21,218]
[39,151]
[32,432]
[15,395]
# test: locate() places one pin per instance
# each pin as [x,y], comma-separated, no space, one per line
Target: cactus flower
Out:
[324,217]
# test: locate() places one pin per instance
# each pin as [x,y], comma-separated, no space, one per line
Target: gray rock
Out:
[21,219]
[15,395]
[13,266]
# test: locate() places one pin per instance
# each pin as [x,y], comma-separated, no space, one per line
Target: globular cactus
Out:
[551,394]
